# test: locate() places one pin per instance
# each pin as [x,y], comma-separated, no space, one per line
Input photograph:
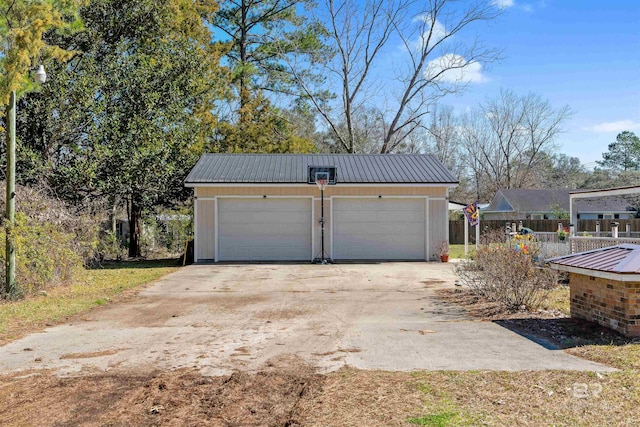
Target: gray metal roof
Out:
[623,259]
[292,168]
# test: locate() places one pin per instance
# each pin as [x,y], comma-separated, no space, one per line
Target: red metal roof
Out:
[623,259]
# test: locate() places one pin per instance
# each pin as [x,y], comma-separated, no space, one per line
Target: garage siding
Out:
[205,229]
[438,226]
[312,190]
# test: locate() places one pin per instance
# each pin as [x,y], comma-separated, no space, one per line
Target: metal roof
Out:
[622,259]
[292,168]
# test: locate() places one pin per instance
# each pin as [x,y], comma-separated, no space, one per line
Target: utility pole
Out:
[10,258]
[40,76]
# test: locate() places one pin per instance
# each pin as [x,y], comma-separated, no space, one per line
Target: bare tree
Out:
[443,137]
[508,139]
[438,64]
[435,62]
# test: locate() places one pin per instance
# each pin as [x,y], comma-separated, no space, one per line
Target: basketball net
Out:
[322,183]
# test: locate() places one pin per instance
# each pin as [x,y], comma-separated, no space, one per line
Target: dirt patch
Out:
[481,308]
[430,283]
[280,394]
[287,313]
[565,333]
[153,312]
[89,355]
[340,350]
[287,392]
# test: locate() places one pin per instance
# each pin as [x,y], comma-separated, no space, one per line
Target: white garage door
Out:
[269,229]
[383,229]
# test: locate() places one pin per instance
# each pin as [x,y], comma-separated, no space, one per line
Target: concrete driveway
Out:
[220,318]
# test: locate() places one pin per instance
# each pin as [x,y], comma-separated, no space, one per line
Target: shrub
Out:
[45,255]
[509,274]
[51,241]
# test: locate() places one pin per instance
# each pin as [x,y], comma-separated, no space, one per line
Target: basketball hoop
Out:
[322,183]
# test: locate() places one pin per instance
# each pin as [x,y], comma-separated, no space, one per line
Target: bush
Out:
[45,255]
[51,241]
[509,274]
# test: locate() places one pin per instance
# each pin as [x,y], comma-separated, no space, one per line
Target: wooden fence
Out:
[456,228]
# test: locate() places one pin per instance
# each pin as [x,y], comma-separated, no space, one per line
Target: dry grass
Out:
[93,287]
[290,393]
[558,299]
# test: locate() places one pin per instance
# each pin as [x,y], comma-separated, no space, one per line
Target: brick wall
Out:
[613,304]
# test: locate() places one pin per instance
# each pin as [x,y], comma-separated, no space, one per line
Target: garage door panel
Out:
[359,216]
[264,229]
[402,216]
[253,230]
[379,229]
[376,228]
[239,217]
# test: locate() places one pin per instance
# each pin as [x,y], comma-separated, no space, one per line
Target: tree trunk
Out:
[135,230]
[113,216]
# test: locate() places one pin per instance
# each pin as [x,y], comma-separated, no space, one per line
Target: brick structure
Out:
[605,286]
[614,304]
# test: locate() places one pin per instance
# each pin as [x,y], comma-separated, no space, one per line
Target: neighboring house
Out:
[455,206]
[519,204]
[260,207]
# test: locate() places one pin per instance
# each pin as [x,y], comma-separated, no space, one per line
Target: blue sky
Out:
[583,53]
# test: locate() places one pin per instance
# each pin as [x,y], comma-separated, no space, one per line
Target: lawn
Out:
[457,251]
[92,287]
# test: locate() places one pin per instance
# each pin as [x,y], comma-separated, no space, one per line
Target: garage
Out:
[268,207]
[264,229]
[379,228]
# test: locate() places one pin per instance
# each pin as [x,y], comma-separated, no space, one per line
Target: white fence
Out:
[581,243]
[551,246]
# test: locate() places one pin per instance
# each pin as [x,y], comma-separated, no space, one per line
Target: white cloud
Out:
[617,126]
[438,33]
[527,8]
[456,70]
[502,4]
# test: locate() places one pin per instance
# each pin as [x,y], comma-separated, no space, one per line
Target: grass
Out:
[437,420]
[92,288]
[558,299]
[457,251]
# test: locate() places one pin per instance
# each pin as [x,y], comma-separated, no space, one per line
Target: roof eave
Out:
[607,275]
[298,184]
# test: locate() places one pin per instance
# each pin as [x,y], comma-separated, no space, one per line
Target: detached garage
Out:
[261,207]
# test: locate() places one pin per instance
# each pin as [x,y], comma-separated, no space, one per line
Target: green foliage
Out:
[45,255]
[261,129]
[265,39]
[137,101]
[436,420]
[263,35]
[560,213]
[23,24]
[110,247]
[623,154]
